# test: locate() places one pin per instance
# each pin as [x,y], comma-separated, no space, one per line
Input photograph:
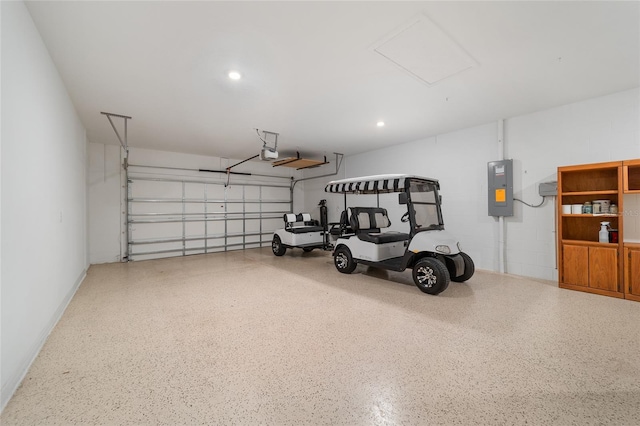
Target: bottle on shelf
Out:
[603,235]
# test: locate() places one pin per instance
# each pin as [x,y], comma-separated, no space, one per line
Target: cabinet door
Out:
[575,265]
[603,268]
[633,269]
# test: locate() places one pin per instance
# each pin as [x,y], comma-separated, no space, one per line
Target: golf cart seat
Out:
[366,222]
[343,227]
[300,223]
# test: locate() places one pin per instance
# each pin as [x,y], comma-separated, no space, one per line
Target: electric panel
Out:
[500,183]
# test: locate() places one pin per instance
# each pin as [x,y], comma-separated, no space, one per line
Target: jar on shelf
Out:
[613,209]
[587,208]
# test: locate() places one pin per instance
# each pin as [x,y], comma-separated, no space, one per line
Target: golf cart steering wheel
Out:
[405,218]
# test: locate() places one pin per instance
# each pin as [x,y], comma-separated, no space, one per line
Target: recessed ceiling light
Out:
[234,75]
[380,124]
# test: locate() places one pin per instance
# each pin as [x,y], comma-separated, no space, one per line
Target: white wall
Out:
[106,189]
[104,203]
[44,215]
[596,130]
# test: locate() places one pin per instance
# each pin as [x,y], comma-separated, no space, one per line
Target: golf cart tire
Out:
[469,269]
[430,276]
[277,247]
[343,260]
[307,249]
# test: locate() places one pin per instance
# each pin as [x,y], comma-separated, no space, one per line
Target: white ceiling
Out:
[312,73]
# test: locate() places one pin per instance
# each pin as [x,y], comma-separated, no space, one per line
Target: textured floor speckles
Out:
[250,338]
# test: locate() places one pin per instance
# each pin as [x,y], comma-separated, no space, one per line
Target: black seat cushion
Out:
[304,229]
[387,237]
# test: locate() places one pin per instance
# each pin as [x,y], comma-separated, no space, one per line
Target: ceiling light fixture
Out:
[380,124]
[234,75]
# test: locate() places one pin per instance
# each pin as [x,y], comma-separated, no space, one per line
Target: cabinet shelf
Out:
[607,192]
[585,215]
[589,243]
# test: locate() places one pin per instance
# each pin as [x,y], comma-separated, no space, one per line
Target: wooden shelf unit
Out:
[585,264]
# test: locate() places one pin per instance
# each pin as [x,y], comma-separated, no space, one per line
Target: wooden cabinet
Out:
[591,266]
[584,263]
[575,265]
[603,268]
[632,271]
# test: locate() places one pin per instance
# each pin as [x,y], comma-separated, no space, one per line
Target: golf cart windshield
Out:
[425,204]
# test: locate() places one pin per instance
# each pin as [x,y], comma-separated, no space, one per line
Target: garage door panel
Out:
[235,208]
[272,224]
[215,228]
[163,208]
[253,207]
[157,248]
[194,190]
[252,225]
[215,192]
[156,189]
[234,192]
[194,229]
[275,208]
[234,241]
[147,231]
[234,226]
[252,192]
[193,208]
[274,193]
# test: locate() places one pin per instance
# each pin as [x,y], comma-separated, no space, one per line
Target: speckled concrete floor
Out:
[248,338]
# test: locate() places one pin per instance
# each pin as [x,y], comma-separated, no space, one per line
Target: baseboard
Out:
[9,388]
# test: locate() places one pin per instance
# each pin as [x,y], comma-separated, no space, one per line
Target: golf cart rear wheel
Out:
[343,260]
[277,247]
[469,269]
[431,276]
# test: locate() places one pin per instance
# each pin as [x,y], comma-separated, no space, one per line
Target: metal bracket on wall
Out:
[123,142]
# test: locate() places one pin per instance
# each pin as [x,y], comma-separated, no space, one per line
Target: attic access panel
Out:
[299,163]
[424,51]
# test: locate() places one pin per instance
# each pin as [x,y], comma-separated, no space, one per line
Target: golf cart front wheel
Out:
[343,260]
[277,247]
[430,276]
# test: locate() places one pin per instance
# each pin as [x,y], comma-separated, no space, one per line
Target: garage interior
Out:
[138,280]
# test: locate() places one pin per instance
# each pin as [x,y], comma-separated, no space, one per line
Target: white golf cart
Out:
[432,253]
[299,231]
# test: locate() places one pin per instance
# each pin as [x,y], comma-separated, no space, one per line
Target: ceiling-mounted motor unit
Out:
[268,153]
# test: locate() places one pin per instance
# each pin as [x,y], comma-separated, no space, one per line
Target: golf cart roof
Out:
[377,184]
